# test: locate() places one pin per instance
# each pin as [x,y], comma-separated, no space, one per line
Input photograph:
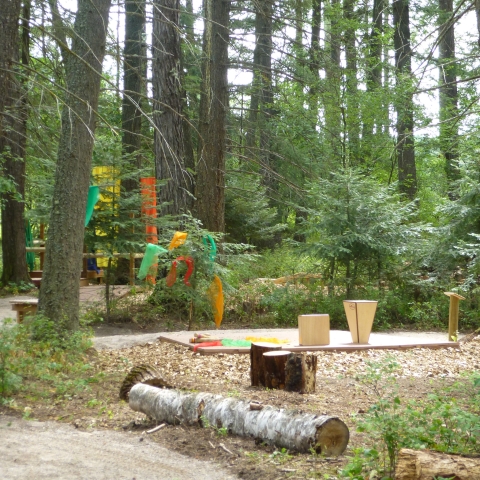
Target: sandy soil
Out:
[50,450]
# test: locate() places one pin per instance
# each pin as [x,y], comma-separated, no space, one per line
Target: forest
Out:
[333,139]
[312,151]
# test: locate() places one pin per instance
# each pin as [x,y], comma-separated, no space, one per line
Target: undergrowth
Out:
[446,421]
[40,355]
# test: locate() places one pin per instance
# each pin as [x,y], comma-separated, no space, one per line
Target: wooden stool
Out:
[24,307]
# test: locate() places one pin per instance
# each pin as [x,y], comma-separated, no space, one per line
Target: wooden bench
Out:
[95,277]
[24,306]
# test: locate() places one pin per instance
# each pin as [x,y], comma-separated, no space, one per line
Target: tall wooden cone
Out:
[360,315]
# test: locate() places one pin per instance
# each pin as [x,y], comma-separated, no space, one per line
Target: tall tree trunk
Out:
[210,187]
[371,116]
[59,292]
[407,174]
[448,92]
[477,12]
[352,107]
[133,87]
[12,146]
[258,138]
[332,101]
[167,105]
[9,44]
[315,53]
[189,98]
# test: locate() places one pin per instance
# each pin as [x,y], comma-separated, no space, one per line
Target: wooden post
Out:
[274,363]
[42,237]
[300,372]
[257,367]
[132,270]
[453,315]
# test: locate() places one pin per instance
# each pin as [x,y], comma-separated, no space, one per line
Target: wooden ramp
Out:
[340,341]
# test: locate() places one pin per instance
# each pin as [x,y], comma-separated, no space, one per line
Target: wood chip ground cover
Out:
[339,393]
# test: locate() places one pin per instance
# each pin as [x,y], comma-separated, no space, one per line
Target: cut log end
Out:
[332,437]
[142,374]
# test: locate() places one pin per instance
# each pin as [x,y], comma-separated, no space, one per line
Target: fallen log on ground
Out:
[301,432]
[426,465]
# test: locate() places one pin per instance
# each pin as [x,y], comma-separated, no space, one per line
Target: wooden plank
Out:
[92,255]
[394,342]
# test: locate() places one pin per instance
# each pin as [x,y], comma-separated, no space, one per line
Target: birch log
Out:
[426,465]
[301,432]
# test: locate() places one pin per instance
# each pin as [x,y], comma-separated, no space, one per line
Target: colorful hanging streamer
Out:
[149,259]
[178,239]
[209,242]
[215,294]
[172,275]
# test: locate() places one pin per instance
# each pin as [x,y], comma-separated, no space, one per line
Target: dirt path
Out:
[48,450]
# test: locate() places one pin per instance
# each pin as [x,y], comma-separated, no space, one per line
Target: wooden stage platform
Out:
[340,341]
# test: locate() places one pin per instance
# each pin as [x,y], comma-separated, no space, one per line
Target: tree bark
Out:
[257,367]
[134,73]
[59,291]
[448,98]
[301,432]
[12,148]
[167,105]
[352,116]
[407,173]
[133,87]
[274,368]
[300,373]
[371,116]
[333,102]
[425,465]
[9,44]
[210,184]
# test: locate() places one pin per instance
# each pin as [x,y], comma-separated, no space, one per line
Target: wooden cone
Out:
[257,367]
[274,363]
[360,315]
[300,372]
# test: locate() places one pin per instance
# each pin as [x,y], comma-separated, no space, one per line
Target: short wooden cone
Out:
[360,315]
[274,363]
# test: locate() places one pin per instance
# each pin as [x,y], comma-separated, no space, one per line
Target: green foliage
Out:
[40,350]
[446,421]
[10,380]
[248,216]
[356,223]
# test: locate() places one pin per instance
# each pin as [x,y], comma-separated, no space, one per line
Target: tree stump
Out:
[274,363]
[300,371]
[257,367]
[425,465]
